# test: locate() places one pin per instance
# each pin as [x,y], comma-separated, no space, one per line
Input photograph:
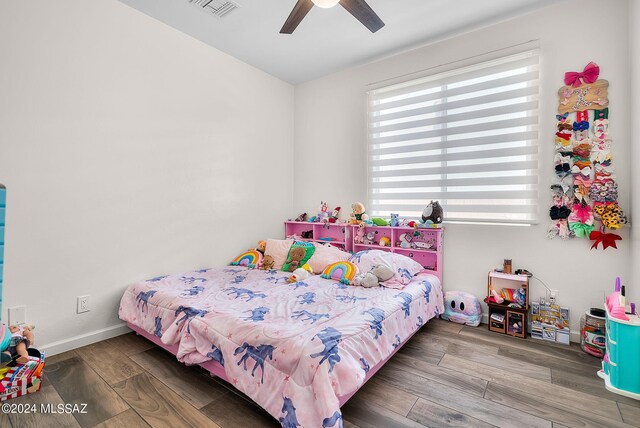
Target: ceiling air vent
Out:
[217,8]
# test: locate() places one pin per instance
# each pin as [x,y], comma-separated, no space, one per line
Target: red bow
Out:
[607,239]
[589,75]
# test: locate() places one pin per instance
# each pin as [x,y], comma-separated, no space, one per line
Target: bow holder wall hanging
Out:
[585,192]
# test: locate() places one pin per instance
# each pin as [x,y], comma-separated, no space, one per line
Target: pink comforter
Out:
[293,348]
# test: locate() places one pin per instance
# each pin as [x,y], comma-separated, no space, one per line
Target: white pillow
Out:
[279,250]
[324,255]
[406,268]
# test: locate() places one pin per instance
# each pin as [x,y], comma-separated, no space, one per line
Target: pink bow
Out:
[589,75]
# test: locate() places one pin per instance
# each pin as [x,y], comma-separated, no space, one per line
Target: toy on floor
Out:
[462,308]
[358,214]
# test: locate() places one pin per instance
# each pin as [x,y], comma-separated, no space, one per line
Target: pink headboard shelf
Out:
[423,245]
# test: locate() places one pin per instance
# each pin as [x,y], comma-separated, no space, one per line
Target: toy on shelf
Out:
[404,240]
[379,221]
[358,214]
[369,238]
[462,308]
[302,217]
[359,238]
[432,215]
[307,234]
[395,221]
[385,241]
[334,215]
[323,215]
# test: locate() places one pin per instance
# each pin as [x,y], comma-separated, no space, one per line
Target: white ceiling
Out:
[328,40]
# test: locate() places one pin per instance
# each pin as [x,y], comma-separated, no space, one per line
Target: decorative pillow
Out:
[325,255]
[250,259]
[405,267]
[278,249]
[299,255]
[342,271]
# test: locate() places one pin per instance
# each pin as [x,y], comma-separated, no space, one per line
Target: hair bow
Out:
[586,171]
[588,75]
[581,213]
[559,213]
[562,117]
[580,126]
[607,239]
[581,230]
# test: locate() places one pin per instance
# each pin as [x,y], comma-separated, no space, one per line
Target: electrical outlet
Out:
[84,303]
[17,315]
[553,296]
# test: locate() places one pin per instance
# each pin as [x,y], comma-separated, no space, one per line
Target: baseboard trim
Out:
[84,339]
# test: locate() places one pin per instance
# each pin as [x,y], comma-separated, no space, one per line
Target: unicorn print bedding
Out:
[294,348]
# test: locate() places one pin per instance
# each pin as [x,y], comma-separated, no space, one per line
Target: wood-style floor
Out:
[447,375]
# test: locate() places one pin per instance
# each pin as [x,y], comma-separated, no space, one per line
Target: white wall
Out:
[128,150]
[634,73]
[331,140]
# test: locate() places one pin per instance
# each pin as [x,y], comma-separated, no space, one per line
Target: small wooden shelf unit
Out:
[425,245]
[512,316]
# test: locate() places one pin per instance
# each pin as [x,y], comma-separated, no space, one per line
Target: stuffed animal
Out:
[301,274]
[21,338]
[405,240]
[462,308]
[323,215]
[307,234]
[267,263]
[334,215]
[379,221]
[359,238]
[262,246]
[296,255]
[395,222]
[369,239]
[302,217]
[358,214]
[433,213]
[379,273]
[385,241]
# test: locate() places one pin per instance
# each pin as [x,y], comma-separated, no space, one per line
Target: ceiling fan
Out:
[358,8]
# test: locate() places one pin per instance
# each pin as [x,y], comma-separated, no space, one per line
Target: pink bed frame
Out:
[217,370]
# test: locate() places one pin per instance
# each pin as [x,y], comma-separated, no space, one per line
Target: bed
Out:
[299,350]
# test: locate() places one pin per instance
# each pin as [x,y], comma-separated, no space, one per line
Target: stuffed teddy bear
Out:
[267,263]
[379,273]
[358,214]
[262,246]
[296,255]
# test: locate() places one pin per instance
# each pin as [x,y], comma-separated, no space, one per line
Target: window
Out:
[467,137]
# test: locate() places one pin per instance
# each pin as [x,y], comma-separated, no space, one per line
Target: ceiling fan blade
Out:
[363,13]
[298,13]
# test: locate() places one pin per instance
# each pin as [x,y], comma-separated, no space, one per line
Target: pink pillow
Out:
[405,267]
[279,250]
[326,255]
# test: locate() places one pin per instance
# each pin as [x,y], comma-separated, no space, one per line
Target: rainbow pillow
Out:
[342,271]
[250,259]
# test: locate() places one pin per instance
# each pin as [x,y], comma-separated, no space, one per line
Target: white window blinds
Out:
[467,137]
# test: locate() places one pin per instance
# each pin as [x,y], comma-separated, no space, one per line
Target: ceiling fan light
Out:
[325,3]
